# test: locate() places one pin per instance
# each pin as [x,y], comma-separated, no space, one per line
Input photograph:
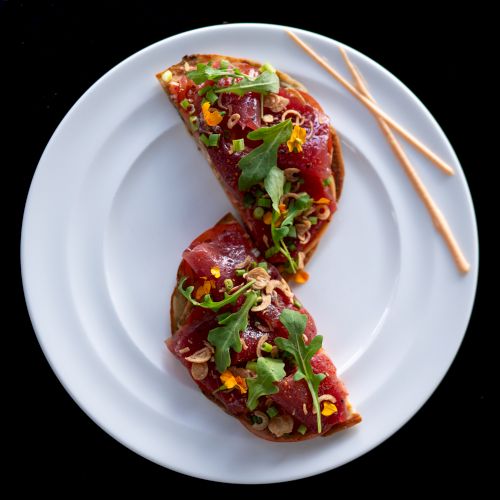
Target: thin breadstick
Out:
[436,215]
[441,164]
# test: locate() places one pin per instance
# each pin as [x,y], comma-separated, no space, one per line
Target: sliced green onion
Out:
[314,220]
[287,187]
[267,67]
[292,232]
[302,429]
[296,303]
[248,199]
[327,181]
[204,89]
[301,181]
[292,247]
[223,64]
[255,419]
[213,140]
[240,272]
[185,103]
[271,251]
[263,265]
[272,411]
[204,139]
[264,202]
[266,347]
[193,120]
[238,145]
[258,213]
[211,96]
[228,284]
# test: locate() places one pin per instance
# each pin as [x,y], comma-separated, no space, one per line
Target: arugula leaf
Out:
[295,323]
[268,371]
[204,72]
[274,182]
[227,335]
[265,83]
[208,303]
[301,204]
[255,166]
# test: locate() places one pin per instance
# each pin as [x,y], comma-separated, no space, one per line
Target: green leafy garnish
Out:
[227,335]
[274,183]
[255,166]
[302,429]
[207,302]
[265,83]
[268,371]
[301,204]
[295,323]
[204,72]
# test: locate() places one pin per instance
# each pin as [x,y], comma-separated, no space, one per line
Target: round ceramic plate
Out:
[121,190]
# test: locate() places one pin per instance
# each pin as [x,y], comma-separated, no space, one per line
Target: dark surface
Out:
[57,52]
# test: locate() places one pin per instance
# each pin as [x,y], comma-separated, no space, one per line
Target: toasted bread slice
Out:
[179,313]
[336,179]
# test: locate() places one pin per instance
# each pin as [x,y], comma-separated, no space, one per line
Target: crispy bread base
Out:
[178,306]
[337,165]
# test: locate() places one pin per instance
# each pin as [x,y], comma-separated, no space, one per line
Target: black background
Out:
[55,50]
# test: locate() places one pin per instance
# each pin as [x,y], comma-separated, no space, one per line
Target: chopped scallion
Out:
[204,139]
[258,213]
[267,67]
[287,187]
[211,96]
[228,284]
[271,251]
[240,272]
[302,429]
[238,145]
[266,347]
[313,220]
[193,120]
[213,140]
[264,202]
[272,411]
[263,265]
[296,303]
[185,103]
[327,181]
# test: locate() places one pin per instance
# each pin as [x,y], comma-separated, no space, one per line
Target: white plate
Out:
[121,190]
